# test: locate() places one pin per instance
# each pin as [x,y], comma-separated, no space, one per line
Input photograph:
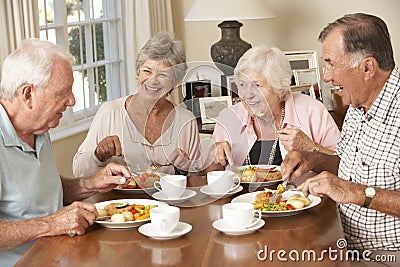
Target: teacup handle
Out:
[157,185]
[237,180]
[258,219]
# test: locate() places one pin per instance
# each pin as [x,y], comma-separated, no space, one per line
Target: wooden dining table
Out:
[298,240]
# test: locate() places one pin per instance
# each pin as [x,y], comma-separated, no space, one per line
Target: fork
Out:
[155,165]
[232,168]
[276,193]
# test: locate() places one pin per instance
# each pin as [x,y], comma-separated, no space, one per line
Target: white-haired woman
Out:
[145,127]
[270,120]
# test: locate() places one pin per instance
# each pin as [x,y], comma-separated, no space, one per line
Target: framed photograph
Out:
[308,78]
[228,86]
[194,91]
[210,107]
[197,89]
[201,71]
[302,59]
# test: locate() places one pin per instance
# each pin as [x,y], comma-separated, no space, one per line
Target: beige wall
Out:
[64,151]
[296,27]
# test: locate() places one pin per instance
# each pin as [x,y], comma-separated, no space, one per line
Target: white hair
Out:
[271,63]
[31,63]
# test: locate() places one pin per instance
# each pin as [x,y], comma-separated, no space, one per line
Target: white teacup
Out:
[171,185]
[165,218]
[240,215]
[221,182]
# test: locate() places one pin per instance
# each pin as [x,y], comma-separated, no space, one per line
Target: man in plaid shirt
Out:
[364,175]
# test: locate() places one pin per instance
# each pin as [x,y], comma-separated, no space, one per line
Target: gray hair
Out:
[364,36]
[163,47]
[271,63]
[32,64]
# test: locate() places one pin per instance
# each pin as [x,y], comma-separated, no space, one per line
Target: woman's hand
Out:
[223,153]
[179,159]
[108,147]
[295,139]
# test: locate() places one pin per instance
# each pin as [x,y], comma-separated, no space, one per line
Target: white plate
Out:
[250,197]
[276,167]
[129,224]
[148,190]
[206,190]
[163,197]
[221,226]
[151,231]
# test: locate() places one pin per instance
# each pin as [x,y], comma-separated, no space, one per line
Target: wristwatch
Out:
[316,147]
[369,195]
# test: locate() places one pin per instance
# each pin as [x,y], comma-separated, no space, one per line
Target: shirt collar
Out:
[388,94]
[291,116]
[8,134]
[246,120]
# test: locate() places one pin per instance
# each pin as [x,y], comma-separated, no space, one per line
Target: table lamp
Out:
[227,51]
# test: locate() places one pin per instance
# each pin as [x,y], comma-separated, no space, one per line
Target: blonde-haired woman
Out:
[145,127]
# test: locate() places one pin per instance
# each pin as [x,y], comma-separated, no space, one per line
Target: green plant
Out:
[75,50]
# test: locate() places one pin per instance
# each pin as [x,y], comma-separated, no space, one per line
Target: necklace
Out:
[273,149]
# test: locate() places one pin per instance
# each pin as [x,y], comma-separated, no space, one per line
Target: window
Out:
[91,30]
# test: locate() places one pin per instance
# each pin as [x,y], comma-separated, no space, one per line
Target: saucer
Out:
[206,190]
[151,231]
[221,226]
[163,197]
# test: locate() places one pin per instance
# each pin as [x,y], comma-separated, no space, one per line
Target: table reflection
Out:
[166,253]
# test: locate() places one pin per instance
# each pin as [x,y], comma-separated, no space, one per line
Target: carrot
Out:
[139,207]
[257,206]
[143,217]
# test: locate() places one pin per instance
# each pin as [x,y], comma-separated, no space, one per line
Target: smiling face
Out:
[53,100]
[338,70]
[257,95]
[154,80]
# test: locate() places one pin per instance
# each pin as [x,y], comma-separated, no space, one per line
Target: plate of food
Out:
[260,174]
[287,204]
[125,213]
[142,182]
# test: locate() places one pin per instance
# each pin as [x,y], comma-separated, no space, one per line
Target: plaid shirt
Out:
[369,150]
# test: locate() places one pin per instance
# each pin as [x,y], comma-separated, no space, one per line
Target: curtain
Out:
[142,19]
[18,21]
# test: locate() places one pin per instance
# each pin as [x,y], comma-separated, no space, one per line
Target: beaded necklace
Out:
[273,149]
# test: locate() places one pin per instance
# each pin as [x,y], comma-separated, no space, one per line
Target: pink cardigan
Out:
[234,125]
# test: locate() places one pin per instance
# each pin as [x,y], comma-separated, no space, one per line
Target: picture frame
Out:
[210,107]
[302,59]
[200,71]
[308,78]
[196,89]
[228,86]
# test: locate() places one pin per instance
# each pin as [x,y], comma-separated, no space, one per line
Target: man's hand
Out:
[107,178]
[295,139]
[296,164]
[339,190]
[72,220]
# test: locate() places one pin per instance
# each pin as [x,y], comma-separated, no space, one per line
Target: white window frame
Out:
[79,121]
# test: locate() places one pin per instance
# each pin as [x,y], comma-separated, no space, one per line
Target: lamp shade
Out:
[222,10]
